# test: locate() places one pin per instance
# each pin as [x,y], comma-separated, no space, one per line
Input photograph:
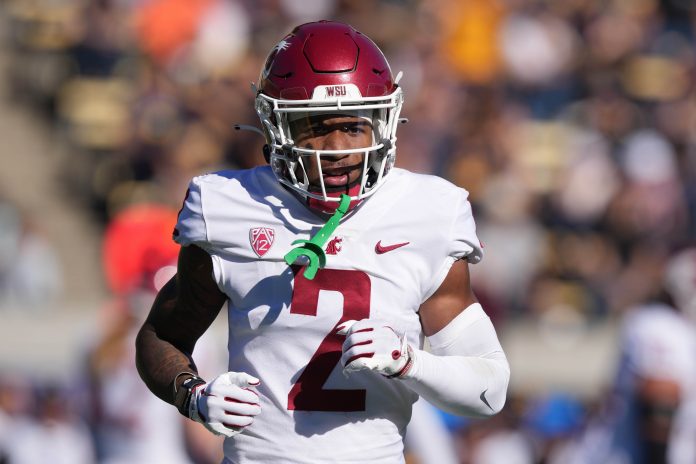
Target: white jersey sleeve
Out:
[465,243]
[191,227]
[461,239]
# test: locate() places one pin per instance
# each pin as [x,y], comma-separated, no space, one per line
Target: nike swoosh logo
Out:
[483,398]
[379,248]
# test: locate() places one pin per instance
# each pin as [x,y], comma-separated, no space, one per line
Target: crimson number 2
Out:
[308,393]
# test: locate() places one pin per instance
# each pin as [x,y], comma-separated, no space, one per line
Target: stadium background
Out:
[571,123]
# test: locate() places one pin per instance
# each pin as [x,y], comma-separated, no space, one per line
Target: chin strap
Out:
[313,248]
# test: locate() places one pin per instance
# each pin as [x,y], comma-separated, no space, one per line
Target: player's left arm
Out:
[452,298]
[465,372]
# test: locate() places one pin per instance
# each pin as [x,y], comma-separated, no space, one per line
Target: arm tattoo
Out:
[181,313]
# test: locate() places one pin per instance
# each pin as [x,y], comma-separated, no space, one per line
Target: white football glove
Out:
[227,404]
[373,345]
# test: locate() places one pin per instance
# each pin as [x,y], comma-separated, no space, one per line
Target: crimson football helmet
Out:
[327,67]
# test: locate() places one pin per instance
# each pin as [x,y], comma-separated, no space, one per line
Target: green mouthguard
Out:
[313,248]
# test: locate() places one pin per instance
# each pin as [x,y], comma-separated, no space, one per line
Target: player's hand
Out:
[373,345]
[227,404]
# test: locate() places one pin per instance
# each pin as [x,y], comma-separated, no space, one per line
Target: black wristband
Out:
[182,393]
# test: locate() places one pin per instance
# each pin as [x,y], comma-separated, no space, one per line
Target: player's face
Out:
[333,132]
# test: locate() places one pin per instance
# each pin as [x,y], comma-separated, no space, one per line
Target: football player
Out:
[335,267]
[649,416]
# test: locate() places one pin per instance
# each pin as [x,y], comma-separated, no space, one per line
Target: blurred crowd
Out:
[572,123]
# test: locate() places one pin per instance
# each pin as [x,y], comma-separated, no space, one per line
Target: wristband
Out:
[183,393]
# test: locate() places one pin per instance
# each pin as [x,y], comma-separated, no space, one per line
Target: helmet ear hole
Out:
[267,153]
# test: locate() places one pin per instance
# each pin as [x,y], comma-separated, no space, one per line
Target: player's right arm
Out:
[183,310]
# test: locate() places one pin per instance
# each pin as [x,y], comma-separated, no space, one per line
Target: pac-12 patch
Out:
[261,239]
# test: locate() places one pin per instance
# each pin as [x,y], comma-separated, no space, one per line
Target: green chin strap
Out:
[313,248]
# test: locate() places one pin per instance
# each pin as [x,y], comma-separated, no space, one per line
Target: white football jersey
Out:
[386,257]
